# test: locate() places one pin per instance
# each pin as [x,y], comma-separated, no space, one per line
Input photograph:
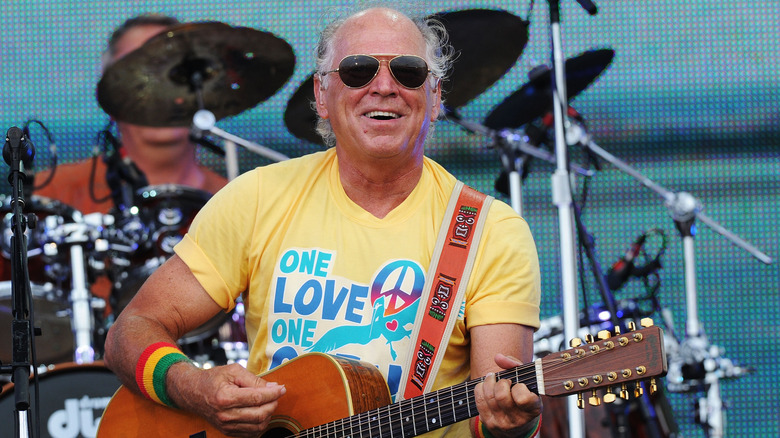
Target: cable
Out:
[52,150]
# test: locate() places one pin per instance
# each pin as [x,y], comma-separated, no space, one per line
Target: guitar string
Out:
[523,374]
[378,419]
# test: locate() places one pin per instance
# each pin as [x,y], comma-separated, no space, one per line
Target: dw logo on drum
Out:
[77,416]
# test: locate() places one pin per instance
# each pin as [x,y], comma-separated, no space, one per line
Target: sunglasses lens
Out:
[358,70]
[409,71]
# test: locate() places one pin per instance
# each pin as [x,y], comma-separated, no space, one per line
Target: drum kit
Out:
[199,73]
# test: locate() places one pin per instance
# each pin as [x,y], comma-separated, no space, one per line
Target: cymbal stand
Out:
[695,351]
[516,148]
[204,121]
[78,235]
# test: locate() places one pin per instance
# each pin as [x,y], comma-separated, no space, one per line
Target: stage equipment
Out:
[694,363]
[198,73]
[194,66]
[534,98]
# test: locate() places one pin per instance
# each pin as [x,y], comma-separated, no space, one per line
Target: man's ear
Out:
[319,97]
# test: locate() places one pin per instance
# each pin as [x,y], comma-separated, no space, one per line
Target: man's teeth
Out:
[382,115]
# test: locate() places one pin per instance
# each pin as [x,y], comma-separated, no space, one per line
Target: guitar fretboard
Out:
[421,414]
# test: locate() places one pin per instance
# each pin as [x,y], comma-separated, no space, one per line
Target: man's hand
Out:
[235,401]
[506,410]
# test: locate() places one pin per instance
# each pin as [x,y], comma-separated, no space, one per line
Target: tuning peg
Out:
[580,401]
[609,397]
[631,326]
[653,386]
[623,391]
[604,334]
[589,338]
[646,322]
[594,399]
[575,342]
[638,391]
[617,330]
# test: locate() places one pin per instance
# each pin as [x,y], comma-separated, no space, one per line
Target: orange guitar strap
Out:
[445,287]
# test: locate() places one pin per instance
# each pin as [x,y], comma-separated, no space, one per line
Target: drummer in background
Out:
[164,155]
[368,210]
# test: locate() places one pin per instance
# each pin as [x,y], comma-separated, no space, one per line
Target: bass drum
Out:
[164,214]
[46,263]
[72,400]
[52,315]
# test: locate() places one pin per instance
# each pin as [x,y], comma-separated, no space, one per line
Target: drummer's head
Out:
[133,33]
[130,35]
[430,44]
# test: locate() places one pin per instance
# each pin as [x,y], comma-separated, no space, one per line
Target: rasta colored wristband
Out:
[152,366]
[481,431]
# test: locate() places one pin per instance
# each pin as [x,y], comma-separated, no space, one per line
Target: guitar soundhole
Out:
[277,432]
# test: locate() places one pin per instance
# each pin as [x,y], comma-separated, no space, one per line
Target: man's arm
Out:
[171,303]
[507,411]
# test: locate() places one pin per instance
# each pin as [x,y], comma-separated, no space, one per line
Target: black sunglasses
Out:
[357,71]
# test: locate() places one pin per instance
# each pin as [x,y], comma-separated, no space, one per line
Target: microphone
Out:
[619,273]
[18,148]
[124,178]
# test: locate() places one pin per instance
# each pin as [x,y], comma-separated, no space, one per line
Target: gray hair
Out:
[438,55]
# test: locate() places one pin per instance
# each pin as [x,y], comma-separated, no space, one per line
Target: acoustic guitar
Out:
[336,397]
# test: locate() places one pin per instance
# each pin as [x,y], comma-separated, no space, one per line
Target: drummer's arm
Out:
[171,303]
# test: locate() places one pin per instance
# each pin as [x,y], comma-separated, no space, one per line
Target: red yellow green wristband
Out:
[481,431]
[152,366]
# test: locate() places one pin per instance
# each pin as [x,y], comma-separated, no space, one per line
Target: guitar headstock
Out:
[611,361]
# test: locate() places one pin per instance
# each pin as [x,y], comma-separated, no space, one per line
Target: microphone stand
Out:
[562,198]
[22,325]
[695,351]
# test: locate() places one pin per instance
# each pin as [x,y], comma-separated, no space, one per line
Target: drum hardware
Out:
[515,149]
[142,239]
[695,351]
[84,234]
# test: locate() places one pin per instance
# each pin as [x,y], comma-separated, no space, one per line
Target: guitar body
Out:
[343,397]
[320,389]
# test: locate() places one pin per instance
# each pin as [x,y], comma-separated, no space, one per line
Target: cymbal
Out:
[235,68]
[534,99]
[481,58]
[299,116]
[487,44]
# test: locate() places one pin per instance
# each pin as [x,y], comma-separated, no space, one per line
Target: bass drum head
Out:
[52,315]
[72,400]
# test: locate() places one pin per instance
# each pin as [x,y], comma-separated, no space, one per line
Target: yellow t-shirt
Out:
[319,273]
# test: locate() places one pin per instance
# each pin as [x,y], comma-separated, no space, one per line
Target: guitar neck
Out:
[421,414]
[611,361]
